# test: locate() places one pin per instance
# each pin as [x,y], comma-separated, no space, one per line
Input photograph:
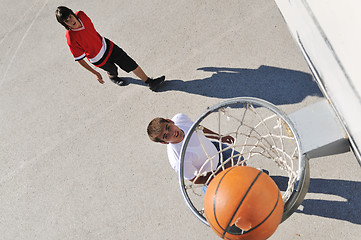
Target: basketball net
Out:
[263,137]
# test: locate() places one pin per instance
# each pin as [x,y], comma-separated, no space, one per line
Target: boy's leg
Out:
[227,154]
[112,72]
[140,74]
[127,64]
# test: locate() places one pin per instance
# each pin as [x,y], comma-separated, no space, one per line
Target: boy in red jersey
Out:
[85,41]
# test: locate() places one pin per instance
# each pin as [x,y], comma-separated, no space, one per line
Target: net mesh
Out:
[249,135]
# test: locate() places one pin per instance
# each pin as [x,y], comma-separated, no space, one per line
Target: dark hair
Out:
[62,13]
[154,129]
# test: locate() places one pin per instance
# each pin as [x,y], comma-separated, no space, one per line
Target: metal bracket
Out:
[320,130]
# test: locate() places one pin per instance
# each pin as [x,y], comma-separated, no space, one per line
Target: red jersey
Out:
[87,42]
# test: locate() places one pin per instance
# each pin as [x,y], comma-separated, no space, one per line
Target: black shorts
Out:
[120,58]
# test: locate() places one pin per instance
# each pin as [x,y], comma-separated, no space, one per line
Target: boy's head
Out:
[66,17]
[164,131]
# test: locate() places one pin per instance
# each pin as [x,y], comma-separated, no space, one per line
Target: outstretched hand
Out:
[227,139]
[99,77]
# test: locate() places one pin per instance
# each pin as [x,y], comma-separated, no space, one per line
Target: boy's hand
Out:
[227,139]
[84,64]
[99,77]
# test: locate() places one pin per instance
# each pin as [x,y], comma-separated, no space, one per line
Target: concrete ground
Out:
[75,160]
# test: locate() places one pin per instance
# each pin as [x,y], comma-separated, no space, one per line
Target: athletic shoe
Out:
[204,188]
[154,84]
[119,81]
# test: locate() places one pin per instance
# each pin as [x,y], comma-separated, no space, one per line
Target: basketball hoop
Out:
[263,137]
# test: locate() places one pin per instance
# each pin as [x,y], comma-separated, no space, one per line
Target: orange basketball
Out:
[243,203]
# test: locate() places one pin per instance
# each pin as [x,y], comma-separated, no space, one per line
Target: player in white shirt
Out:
[172,132]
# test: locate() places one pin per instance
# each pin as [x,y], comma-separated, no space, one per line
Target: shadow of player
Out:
[346,207]
[276,85]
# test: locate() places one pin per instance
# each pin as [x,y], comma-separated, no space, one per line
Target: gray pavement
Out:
[75,160]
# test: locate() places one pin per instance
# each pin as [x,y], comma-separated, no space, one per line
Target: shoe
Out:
[117,80]
[204,188]
[154,84]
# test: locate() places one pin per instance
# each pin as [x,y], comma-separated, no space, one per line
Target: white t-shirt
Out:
[195,156]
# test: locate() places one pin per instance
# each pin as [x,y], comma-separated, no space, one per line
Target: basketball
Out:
[243,203]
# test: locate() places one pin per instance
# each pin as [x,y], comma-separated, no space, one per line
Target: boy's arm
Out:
[85,65]
[201,179]
[210,134]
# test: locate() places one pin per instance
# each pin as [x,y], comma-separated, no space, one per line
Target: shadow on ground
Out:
[276,85]
[346,207]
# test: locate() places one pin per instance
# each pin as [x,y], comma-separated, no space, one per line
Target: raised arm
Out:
[201,179]
[210,134]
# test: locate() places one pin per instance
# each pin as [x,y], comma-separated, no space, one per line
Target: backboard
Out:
[328,34]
